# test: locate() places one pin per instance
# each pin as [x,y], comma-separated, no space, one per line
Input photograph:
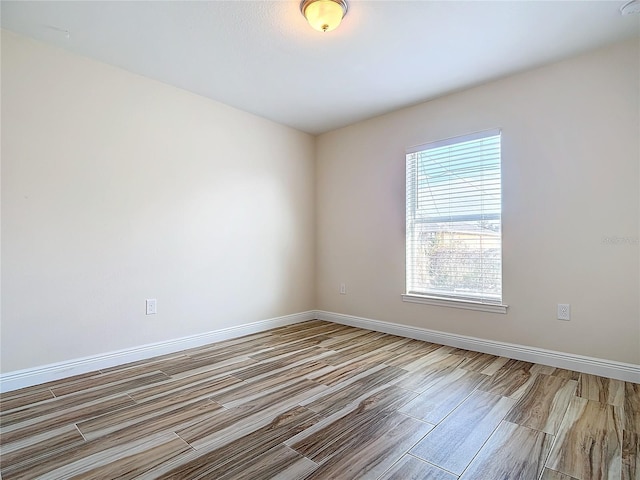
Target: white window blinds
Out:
[454,245]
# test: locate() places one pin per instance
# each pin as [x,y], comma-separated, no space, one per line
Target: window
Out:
[454,240]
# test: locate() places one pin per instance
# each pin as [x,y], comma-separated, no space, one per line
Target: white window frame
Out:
[461,301]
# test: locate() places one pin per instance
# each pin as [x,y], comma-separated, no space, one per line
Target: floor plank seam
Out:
[80,431]
[483,444]
[432,464]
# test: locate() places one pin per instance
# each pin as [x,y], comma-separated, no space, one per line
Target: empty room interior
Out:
[328,239]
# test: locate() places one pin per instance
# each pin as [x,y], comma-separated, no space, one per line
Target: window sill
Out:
[465,304]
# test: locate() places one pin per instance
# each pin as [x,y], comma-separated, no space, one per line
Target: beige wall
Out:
[571,180]
[117,188]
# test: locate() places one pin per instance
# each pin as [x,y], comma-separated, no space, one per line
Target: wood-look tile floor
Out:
[319,400]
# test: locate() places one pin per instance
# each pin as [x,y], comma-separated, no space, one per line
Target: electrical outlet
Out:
[564,311]
[151,306]
[343,289]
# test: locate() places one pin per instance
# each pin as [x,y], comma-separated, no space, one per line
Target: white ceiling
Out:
[262,56]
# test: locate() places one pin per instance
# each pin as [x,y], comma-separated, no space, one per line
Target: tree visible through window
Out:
[454,242]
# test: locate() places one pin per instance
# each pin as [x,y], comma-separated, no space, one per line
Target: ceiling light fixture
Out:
[324,15]
[630,7]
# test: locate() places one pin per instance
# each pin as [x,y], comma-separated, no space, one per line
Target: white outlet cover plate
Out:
[151,306]
[564,311]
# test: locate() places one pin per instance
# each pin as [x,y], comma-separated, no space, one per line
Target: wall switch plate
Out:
[564,311]
[343,289]
[151,306]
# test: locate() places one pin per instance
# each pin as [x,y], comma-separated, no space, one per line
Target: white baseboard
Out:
[596,366]
[56,371]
